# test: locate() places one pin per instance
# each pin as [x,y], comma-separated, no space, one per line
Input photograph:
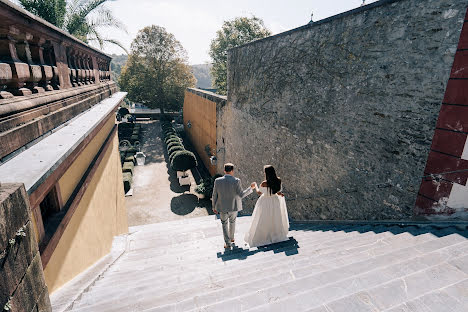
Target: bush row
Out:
[179,158]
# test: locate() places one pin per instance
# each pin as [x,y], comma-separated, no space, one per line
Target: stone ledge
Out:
[19,104]
[46,118]
[35,164]
[218,99]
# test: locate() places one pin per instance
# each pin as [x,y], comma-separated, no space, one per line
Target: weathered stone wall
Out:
[22,284]
[345,109]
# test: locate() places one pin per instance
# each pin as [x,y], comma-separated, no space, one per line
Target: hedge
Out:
[170,132]
[183,161]
[128,167]
[127,181]
[174,144]
[174,148]
[173,140]
[130,158]
[172,136]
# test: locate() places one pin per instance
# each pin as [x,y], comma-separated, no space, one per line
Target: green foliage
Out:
[52,11]
[173,150]
[174,144]
[81,18]
[156,73]
[123,111]
[127,181]
[206,186]
[183,161]
[233,33]
[173,140]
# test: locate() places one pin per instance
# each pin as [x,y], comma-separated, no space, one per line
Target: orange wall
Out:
[201,113]
[99,217]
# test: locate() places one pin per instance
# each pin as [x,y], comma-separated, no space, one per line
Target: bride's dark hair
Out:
[272,181]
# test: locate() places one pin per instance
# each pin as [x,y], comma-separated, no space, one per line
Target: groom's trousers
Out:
[228,220]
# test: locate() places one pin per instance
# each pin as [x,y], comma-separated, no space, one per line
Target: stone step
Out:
[357,274]
[324,247]
[379,280]
[211,244]
[181,295]
[211,275]
[453,298]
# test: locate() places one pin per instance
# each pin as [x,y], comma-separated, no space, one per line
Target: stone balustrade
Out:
[37,57]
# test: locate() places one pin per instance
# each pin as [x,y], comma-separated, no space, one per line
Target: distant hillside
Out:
[200,71]
[118,61]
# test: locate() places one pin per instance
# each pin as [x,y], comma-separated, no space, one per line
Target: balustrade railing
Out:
[37,57]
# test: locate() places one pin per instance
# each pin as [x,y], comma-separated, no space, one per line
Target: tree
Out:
[156,73]
[81,18]
[52,11]
[233,33]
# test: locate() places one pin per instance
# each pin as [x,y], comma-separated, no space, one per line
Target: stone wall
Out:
[344,108]
[22,284]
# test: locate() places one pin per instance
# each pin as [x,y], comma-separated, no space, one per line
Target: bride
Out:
[270,217]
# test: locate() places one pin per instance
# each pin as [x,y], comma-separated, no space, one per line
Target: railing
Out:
[37,57]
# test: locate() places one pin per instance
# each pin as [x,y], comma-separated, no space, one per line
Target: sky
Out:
[194,23]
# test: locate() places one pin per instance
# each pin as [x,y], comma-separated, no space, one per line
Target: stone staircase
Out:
[182,266]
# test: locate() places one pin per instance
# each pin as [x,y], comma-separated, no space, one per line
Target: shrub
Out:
[183,161]
[174,144]
[169,132]
[127,181]
[128,167]
[173,140]
[130,158]
[171,152]
[172,136]
[123,111]
[166,118]
[206,186]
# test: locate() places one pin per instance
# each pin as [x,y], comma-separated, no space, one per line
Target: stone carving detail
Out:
[20,72]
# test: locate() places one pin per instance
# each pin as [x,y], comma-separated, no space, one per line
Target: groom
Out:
[227,201]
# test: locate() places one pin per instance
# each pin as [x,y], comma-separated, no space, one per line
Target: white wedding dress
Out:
[270,220]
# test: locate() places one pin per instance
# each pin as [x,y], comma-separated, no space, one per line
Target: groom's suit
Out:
[227,200]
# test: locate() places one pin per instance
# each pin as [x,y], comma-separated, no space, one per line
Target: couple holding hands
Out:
[270,222]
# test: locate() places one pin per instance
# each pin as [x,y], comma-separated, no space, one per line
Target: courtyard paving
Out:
[157,196]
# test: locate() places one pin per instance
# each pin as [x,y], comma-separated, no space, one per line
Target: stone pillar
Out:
[22,284]
[61,59]
[37,54]
[24,53]
[20,72]
[95,69]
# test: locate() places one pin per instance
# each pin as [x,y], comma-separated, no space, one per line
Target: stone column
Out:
[24,53]
[37,54]
[61,59]
[95,68]
[20,72]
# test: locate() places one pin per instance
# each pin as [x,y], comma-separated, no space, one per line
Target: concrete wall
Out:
[345,108]
[200,108]
[100,216]
[21,278]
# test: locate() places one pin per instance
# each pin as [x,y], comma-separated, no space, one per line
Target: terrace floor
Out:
[157,196]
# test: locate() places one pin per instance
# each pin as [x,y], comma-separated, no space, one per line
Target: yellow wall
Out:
[99,217]
[72,176]
[202,115]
